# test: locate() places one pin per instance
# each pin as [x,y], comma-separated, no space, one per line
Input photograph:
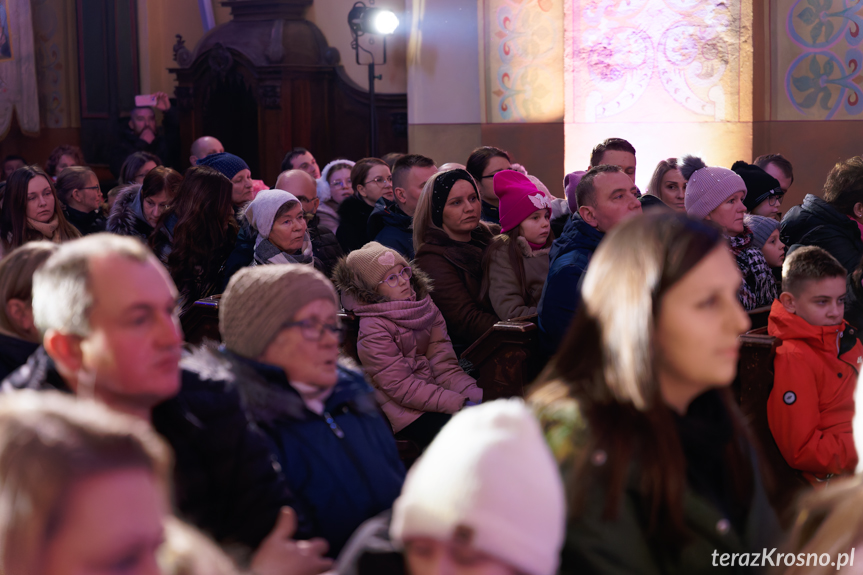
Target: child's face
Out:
[536,227]
[401,290]
[820,302]
[774,250]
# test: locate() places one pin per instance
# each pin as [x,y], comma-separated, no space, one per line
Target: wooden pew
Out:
[758,317]
[752,389]
[201,321]
[506,359]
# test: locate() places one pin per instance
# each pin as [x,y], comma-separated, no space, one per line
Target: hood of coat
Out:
[812,213]
[387,213]
[355,293]
[787,326]
[127,217]
[266,391]
[577,234]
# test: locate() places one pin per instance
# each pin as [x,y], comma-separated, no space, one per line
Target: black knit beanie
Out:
[759,184]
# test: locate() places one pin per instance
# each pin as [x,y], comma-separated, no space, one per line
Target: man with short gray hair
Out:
[107,311]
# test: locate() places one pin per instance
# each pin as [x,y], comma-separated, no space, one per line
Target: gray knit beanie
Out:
[263,209]
[707,187]
[260,300]
[761,229]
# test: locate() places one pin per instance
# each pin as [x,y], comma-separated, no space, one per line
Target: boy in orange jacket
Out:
[812,402]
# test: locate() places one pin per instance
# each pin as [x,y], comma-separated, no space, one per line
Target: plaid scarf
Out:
[758,288]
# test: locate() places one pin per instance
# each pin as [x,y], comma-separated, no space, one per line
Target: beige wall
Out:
[160,20]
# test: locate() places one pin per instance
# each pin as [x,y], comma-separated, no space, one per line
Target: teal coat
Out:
[620,546]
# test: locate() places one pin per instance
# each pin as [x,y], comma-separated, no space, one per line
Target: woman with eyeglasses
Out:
[483,163]
[450,243]
[371,180]
[334,186]
[78,188]
[403,343]
[281,333]
[31,211]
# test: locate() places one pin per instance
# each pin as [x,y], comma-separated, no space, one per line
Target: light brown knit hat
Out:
[371,262]
[260,300]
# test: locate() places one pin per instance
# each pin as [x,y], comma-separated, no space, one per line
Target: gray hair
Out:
[62,295]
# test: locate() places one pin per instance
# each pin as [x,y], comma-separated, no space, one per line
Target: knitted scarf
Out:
[758,288]
[267,253]
[48,229]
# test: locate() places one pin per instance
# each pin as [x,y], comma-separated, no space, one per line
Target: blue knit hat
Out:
[228,164]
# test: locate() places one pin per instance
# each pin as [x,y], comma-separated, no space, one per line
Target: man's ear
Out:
[193,160]
[788,302]
[76,195]
[401,195]
[65,350]
[588,214]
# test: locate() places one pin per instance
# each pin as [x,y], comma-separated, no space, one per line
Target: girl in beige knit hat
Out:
[403,342]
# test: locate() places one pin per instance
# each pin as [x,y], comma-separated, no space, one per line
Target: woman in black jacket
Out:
[371,179]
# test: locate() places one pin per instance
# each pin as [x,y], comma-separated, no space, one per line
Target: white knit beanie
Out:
[489,480]
[263,209]
[324,192]
[708,187]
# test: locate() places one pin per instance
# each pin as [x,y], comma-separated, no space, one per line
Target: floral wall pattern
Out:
[523,47]
[819,59]
[643,60]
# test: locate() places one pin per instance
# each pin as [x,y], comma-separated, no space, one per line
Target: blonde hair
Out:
[50,441]
[830,521]
[16,279]
[187,551]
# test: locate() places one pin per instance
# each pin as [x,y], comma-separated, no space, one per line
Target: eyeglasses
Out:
[314,329]
[393,280]
[91,188]
[775,200]
[341,183]
[497,172]
[380,180]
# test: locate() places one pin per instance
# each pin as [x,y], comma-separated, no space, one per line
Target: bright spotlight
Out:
[381,21]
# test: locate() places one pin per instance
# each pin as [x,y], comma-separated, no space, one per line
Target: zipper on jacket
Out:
[337,431]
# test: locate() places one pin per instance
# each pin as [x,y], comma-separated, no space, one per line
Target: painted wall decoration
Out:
[18,91]
[818,59]
[651,60]
[523,60]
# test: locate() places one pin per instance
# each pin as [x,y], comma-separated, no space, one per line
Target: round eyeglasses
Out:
[392,280]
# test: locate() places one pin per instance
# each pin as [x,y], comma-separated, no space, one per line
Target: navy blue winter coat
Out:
[561,296]
[343,465]
[390,226]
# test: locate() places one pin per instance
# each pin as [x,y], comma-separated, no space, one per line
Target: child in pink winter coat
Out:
[403,343]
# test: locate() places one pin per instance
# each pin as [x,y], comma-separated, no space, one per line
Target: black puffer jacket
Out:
[353,233]
[14,353]
[817,223]
[226,479]
[325,246]
[124,219]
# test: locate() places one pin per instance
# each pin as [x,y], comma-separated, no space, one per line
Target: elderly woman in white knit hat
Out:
[716,195]
[486,498]
[281,333]
[277,217]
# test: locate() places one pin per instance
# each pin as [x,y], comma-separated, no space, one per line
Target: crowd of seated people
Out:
[630,454]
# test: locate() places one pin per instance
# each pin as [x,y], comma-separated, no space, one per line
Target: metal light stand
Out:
[356,32]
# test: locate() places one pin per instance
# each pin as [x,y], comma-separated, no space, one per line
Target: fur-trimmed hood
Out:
[355,292]
[126,218]
[266,391]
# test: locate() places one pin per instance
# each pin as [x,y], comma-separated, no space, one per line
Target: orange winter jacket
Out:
[812,402]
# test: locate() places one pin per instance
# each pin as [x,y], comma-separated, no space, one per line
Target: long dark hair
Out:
[161,178]
[479,158]
[509,241]
[205,230]
[133,163]
[607,363]
[14,230]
